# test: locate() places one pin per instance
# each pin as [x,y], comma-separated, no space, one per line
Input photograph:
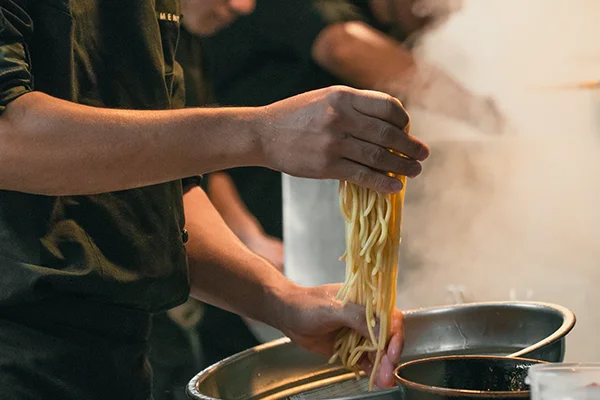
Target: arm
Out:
[366,58]
[55,147]
[51,146]
[224,273]
[216,256]
[226,200]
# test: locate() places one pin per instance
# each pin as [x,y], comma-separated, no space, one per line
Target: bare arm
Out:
[223,272]
[366,58]
[55,147]
[226,199]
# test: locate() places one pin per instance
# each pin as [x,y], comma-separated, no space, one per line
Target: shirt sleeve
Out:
[299,24]
[192,181]
[15,70]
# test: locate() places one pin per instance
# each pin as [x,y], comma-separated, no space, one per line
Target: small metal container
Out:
[282,370]
[465,378]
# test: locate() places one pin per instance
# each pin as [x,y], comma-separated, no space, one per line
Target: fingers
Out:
[380,158]
[388,136]
[385,373]
[367,177]
[381,106]
[396,343]
[386,127]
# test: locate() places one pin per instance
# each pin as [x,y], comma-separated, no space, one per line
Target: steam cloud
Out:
[515,216]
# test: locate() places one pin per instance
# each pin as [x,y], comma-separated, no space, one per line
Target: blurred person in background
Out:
[289,47]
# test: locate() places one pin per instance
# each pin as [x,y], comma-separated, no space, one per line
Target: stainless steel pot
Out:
[281,370]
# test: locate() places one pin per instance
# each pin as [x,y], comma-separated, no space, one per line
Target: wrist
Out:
[278,305]
[257,126]
[236,134]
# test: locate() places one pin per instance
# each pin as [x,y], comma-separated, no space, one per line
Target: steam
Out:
[517,216]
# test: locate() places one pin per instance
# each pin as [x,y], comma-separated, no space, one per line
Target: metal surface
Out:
[466,377]
[280,369]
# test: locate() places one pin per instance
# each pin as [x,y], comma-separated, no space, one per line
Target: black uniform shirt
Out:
[265,57]
[123,248]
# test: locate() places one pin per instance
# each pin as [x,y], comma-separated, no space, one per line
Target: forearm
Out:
[54,147]
[366,58]
[363,57]
[226,199]
[224,273]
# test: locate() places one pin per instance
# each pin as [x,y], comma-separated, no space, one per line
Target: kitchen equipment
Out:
[568,381]
[464,378]
[281,370]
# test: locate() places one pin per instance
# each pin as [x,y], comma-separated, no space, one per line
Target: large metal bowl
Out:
[280,369]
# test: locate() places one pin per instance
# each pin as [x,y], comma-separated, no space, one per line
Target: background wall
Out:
[493,218]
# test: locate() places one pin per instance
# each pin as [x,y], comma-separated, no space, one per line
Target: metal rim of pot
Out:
[567,325]
[449,392]
[569,321]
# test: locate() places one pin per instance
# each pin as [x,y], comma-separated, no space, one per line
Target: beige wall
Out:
[499,219]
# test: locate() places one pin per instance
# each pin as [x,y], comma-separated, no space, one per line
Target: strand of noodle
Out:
[361,219]
[370,242]
[372,199]
[369,312]
[384,224]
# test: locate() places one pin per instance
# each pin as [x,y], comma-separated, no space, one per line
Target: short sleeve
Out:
[197,180]
[15,70]
[301,23]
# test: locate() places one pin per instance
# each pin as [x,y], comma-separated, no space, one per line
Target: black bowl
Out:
[465,378]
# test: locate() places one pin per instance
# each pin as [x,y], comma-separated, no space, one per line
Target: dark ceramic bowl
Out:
[465,378]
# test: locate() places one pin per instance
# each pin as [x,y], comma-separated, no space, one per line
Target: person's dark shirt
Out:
[124,248]
[265,57]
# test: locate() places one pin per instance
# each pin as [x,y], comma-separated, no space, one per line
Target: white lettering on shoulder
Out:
[165,16]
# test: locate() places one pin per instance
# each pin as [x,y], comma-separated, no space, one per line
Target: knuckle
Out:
[338,94]
[376,156]
[332,119]
[330,151]
[390,104]
[381,182]
[361,175]
[387,135]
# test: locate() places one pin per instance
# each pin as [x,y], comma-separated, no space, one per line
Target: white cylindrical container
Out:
[565,381]
[313,231]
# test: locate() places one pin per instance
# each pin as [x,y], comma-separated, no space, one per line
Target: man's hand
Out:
[312,318]
[342,133]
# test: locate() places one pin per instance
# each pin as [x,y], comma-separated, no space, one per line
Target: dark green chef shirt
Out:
[80,275]
[125,247]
